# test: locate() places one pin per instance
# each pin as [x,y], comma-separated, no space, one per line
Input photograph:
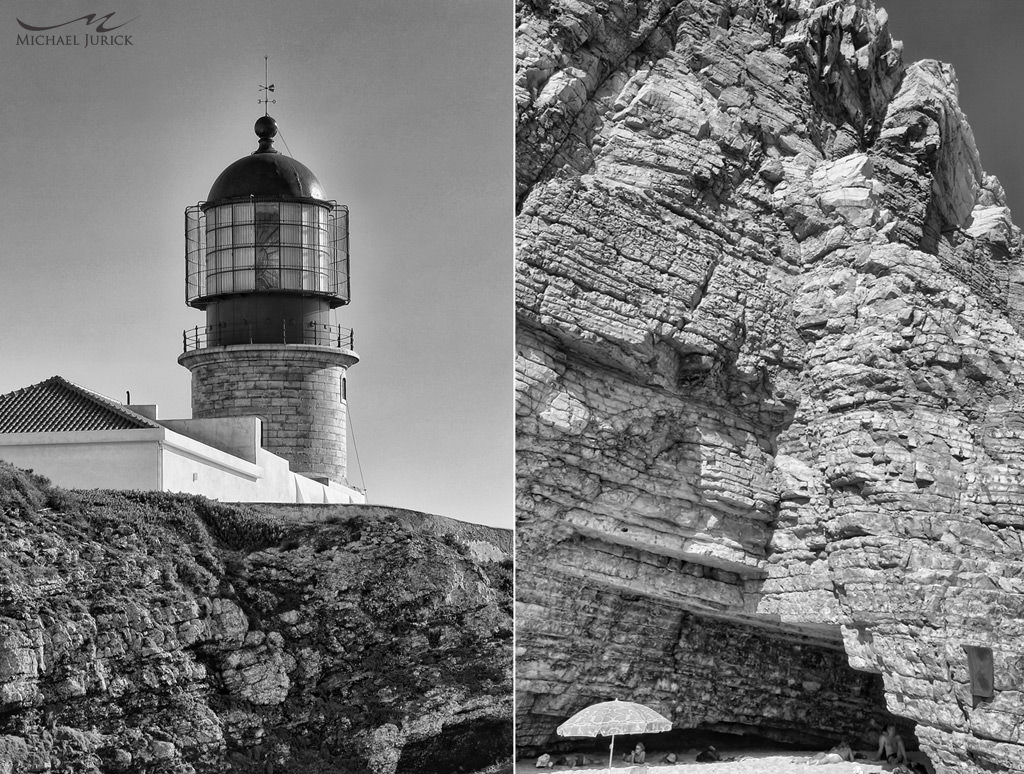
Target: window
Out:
[266,245]
[980,670]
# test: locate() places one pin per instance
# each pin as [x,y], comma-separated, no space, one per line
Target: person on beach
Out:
[891,744]
[708,755]
[838,754]
[575,760]
[637,756]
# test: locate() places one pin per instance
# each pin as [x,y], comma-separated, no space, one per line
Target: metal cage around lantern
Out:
[260,245]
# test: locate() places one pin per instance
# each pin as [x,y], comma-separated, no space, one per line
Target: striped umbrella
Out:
[610,718]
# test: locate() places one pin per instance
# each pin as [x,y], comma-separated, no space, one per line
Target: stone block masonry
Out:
[295,389]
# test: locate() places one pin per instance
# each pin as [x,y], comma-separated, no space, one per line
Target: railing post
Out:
[284,331]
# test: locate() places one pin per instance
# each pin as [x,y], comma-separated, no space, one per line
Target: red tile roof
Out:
[56,405]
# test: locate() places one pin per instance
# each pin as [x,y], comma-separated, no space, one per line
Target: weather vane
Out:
[266,87]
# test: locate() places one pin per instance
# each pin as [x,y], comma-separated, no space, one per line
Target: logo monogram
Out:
[89,18]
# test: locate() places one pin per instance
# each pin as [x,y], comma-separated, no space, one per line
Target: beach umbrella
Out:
[611,718]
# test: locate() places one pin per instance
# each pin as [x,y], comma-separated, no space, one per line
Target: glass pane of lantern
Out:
[291,257]
[243,233]
[242,212]
[245,279]
[268,211]
[244,257]
[268,277]
[291,278]
[309,236]
[214,257]
[268,225]
[291,234]
[291,213]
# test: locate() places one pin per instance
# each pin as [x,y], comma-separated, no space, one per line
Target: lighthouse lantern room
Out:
[266,254]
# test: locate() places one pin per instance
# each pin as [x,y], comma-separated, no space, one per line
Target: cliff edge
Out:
[147,632]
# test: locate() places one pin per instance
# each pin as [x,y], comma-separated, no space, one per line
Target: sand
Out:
[747,762]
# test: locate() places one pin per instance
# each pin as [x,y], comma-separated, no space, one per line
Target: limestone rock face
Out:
[144,632]
[769,378]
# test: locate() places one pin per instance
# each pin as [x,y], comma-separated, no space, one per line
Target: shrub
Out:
[21,491]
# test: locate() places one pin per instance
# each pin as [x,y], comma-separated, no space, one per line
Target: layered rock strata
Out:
[770,368]
[142,632]
[589,643]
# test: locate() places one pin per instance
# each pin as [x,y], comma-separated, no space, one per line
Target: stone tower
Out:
[266,257]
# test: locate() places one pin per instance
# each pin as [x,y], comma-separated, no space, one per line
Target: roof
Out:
[57,405]
[266,173]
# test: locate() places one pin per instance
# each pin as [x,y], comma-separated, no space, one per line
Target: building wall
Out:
[159,459]
[107,459]
[239,436]
[192,467]
[296,390]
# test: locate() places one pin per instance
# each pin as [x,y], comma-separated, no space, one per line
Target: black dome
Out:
[266,173]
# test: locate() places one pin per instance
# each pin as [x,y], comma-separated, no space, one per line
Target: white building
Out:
[82,440]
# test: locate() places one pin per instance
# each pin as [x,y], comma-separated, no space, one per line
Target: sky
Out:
[402,109]
[982,40]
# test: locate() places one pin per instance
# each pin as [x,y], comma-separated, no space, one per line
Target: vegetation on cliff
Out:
[150,632]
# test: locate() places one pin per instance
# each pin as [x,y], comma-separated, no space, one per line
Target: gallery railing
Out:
[267,332]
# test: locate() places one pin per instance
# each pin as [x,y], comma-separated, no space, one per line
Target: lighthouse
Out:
[266,259]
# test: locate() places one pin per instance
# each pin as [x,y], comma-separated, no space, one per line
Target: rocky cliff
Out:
[143,632]
[770,393]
